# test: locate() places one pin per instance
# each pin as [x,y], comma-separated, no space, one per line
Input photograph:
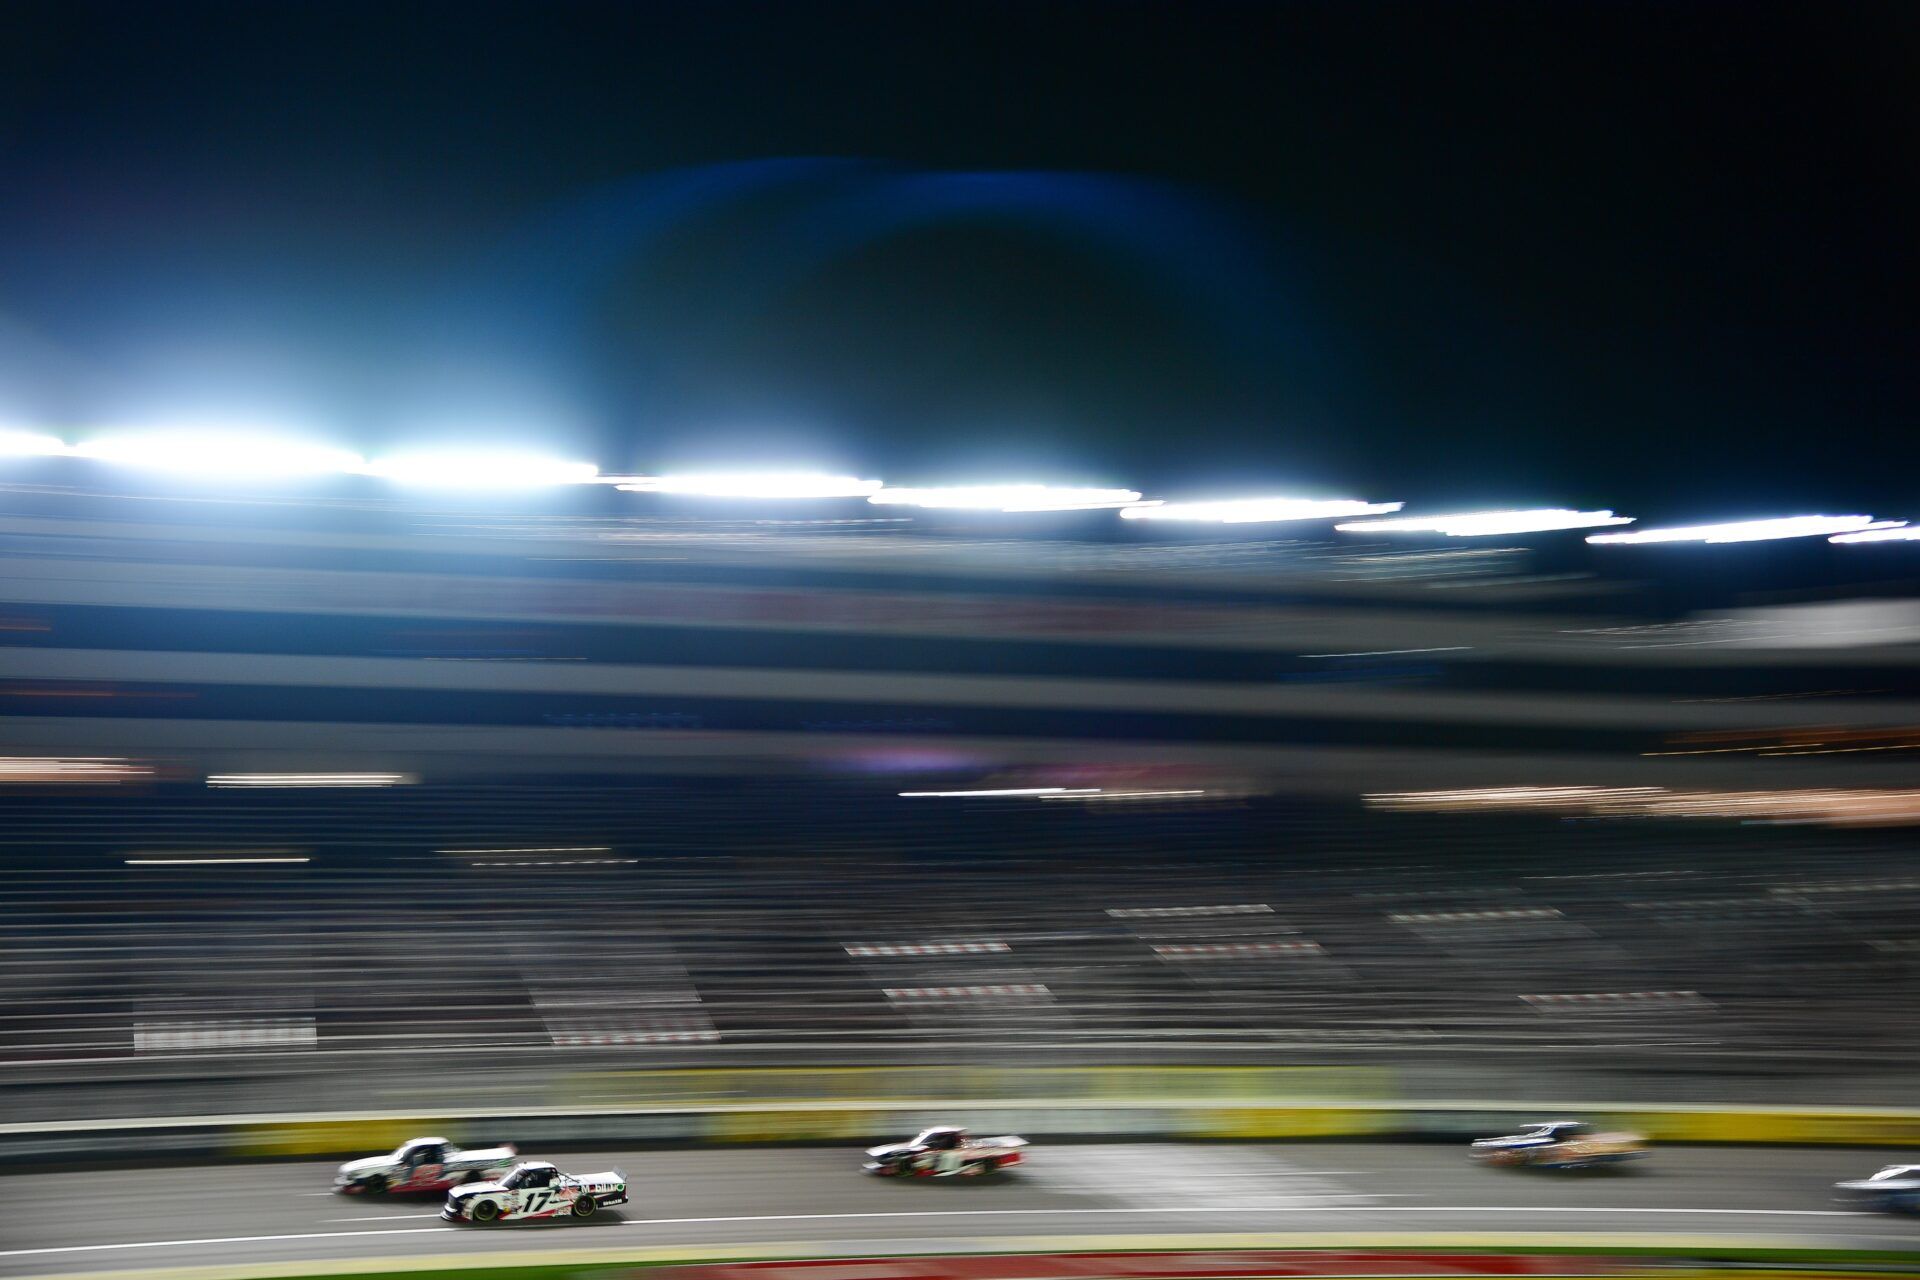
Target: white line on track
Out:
[960,1213]
[935,1213]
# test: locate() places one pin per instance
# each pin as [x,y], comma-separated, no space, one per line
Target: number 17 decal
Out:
[536,1201]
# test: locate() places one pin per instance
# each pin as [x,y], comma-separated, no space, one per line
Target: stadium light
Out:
[462,469]
[769,485]
[1006,497]
[1257,510]
[1479,524]
[18,443]
[1890,532]
[1750,530]
[220,454]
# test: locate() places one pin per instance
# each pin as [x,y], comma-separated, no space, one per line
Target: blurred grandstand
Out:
[323,804]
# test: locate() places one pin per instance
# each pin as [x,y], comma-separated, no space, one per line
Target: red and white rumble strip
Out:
[1236,950]
[1692,1000]
[1474,917]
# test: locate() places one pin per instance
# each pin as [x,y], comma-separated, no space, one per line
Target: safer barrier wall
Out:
[856,1104]
[248,1137]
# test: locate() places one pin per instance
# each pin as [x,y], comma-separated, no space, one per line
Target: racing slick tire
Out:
[485,1212]
[585,1207]
[375,1186]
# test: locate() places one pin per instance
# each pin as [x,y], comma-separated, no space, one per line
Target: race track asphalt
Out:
[67,1222]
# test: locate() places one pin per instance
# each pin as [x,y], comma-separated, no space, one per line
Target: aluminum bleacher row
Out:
[462,943]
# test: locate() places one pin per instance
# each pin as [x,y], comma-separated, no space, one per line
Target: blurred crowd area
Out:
[436,947]
[326,805]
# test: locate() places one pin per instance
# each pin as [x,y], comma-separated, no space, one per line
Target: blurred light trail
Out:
[1003,791]
[69,769]
[1750,530]
[1889,532]
[768,485]
[205,862]
[15,443]
[1121,795]
[310,779]
[462,469]
[1480,524]
[1830,807]
[1006,497]
[218,453]
[1258,510]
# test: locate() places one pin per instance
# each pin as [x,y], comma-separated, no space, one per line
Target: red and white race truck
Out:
[944,1151]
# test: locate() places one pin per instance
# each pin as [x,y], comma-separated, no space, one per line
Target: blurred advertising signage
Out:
[476,596]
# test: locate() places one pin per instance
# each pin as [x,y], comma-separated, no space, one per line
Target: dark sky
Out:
[1653,256]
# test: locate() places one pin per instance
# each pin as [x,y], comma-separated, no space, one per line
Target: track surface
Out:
[71,1222]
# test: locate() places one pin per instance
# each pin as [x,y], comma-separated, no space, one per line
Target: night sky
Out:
[1652,256]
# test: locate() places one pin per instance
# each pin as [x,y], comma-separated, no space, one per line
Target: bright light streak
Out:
[461,469]
[769,485]
[310,779]
[1889,533]
[1258,510]
[205,862]
[15,443]
[1480,524]
[1854,807]
[220,453]
[57,769]
[1121,795]
[1003,791]
[1751,530]
[1006,497]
